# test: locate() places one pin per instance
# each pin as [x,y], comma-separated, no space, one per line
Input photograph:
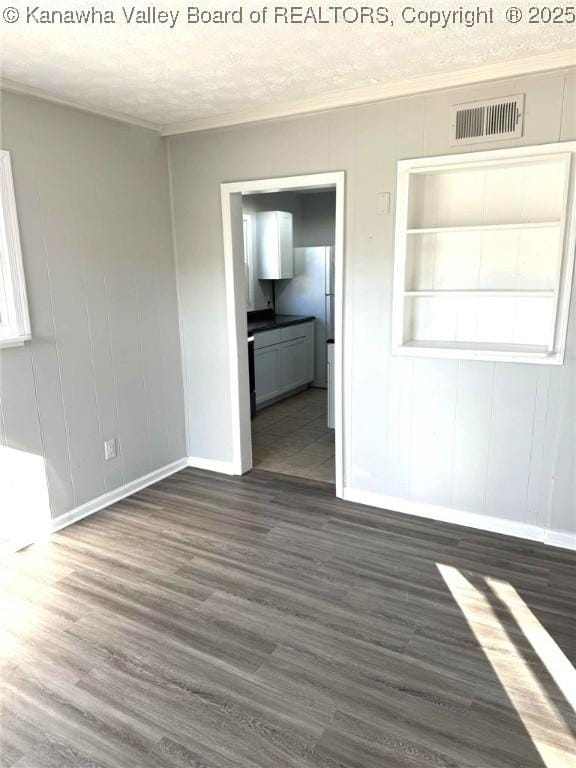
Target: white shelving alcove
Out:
[484,254]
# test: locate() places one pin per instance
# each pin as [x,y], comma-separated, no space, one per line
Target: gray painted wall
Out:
[318,219]
[94,211]
[492,438]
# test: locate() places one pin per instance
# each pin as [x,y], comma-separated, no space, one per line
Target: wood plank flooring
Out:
[258,622]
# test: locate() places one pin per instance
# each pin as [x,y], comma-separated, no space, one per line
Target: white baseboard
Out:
[101,502]
[460,517]
[95,505]
[117,494]
[213,465]
[561,539]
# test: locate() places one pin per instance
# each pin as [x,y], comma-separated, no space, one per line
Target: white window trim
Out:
[556,351]
[14,304]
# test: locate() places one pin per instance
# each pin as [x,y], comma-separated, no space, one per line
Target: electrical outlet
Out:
[110,450]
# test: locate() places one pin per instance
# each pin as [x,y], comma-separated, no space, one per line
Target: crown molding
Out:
[337,100]
[340,99]
[11,86]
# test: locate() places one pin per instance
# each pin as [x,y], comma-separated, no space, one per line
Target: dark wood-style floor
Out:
[257,622]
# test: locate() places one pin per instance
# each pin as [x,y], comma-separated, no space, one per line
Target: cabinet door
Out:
[286,247]
[275,247]
[268,253]
[293,364]
[267,373]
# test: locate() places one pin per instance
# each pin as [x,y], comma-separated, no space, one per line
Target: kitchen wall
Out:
[275,201]
[318,226]
[104,362]
[314,221]
[495,439]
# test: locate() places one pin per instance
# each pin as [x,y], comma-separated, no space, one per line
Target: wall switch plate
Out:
[383,203]
[110,450]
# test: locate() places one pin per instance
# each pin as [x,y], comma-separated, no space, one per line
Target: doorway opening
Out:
[283,245]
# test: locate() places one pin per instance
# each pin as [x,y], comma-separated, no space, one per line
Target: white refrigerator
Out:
[311,292]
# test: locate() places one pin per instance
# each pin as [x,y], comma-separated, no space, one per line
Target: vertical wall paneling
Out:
[537,443]
[18,137]
[410,132]
[463,435]
[514,408]
[342,156]
[558,512]
[473,417]
[432,430]
[2,427]
[104,360]
[64,265]
[20,427]
[375,171]
[399,433]
[568,126]
[93,249]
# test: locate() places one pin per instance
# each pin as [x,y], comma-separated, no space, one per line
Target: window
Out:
[484,254]
[14,320]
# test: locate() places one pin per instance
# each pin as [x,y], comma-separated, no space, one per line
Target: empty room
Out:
[287,385]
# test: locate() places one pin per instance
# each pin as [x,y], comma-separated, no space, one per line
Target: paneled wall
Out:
[489,438]
[104,361]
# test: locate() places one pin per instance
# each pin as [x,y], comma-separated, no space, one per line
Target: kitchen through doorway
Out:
[285,259]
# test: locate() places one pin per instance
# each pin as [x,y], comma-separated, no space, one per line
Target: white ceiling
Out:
[194,72]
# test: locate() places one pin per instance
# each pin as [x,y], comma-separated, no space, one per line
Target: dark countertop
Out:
[269,323]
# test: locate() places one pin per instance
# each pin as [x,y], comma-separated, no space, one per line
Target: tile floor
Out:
[291,437]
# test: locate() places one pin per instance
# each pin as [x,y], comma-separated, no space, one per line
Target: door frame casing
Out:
[230,193]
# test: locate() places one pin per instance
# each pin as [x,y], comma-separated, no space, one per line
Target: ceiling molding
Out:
[515,68]
[337,100]
[13,87]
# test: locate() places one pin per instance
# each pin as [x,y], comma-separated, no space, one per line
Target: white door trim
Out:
[236,313]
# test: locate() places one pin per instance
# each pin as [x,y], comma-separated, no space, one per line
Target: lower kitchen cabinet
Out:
[293,364]
[267,373]
[283,361]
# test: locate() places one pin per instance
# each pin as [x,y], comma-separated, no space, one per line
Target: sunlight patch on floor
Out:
[559,667]
[24,504]
[516,677]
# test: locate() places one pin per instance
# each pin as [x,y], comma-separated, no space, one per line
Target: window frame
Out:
[14,314]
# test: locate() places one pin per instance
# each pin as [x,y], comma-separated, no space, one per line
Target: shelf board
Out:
[484,227]
[479,347]
[535,294]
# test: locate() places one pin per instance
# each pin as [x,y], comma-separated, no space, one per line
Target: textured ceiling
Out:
[165,75]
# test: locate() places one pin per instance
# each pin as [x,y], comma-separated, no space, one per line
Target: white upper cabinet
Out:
[274,245]
[484,254]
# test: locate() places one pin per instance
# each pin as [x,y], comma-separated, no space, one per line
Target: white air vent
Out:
[481,121]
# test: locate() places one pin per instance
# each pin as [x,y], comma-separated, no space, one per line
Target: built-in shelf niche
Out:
[484,254]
